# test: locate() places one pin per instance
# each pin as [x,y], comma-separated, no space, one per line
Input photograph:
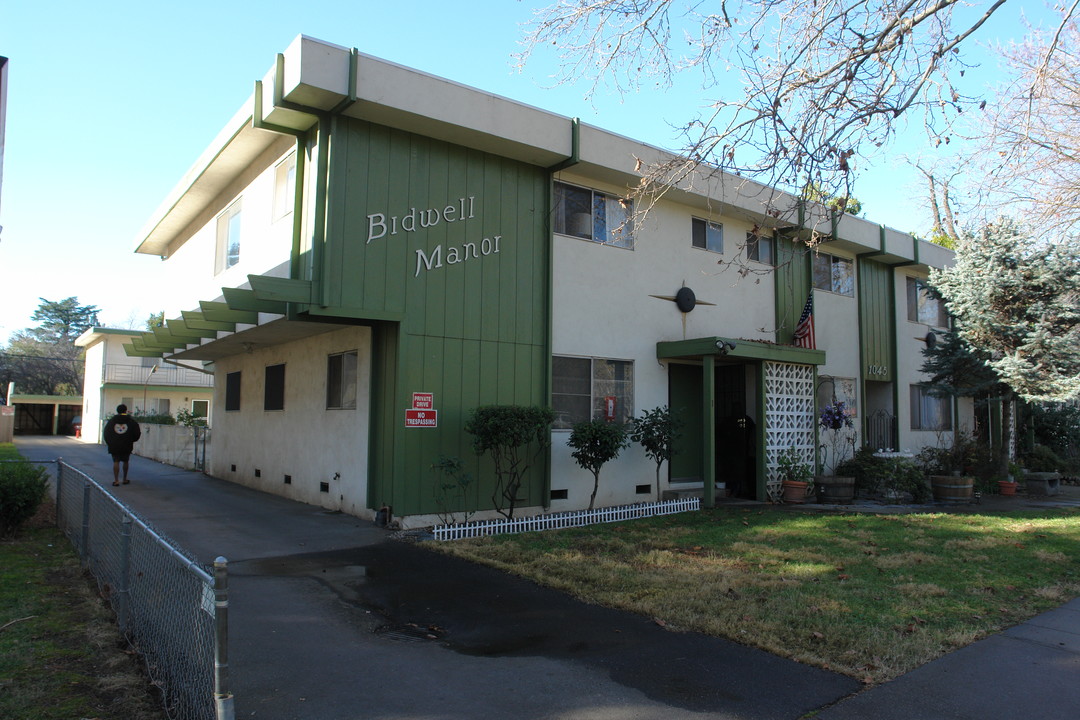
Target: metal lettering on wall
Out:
[877,370]
[380,225]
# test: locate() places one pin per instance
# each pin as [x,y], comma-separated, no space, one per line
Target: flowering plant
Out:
[835,417]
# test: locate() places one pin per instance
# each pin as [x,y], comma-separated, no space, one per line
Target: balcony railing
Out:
[165,375]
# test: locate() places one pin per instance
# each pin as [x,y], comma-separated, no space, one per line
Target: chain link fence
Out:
[172,610]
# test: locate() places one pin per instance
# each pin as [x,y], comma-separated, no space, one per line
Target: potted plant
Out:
[796,476]
[836,424]
[1007,487]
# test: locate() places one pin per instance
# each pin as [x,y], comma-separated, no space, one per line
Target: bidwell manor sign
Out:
[379,226]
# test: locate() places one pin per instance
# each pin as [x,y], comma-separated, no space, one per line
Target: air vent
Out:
[288,479]
[558,494]
[643,489]
[324,487]
[258,472]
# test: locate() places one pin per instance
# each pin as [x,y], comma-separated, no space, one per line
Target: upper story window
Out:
[228,238]
[835,274]
[592,215]
[707,235]
[760,248]
[284,186]
[924,305]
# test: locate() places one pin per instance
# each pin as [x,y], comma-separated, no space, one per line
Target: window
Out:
[835,274]
[924,305]
[591,388]
[341,381]
[929,412]
[837,389]
[284,186]
[200,408]
[274,391]
[759,248]
[228,238]
[591,215]
[707,235]
[232,391]
[160,406]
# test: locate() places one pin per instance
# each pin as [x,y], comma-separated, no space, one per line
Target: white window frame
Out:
[926,307]
[341,395]
[835,280]
[617,217]
[712,234]
[598,391]
[754,243]
[284,186]
[921,401]
[204,402]
[229,235]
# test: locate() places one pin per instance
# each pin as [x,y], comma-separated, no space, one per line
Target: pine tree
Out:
[1016,298]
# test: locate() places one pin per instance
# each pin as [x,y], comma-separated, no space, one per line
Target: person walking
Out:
[121,434]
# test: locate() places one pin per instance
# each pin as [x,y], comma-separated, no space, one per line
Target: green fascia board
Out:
[149,342]
[136,352]
[165,336]
[197,321]
[221,312]
[744,349]
[179,328]
[281,289]
[238,299]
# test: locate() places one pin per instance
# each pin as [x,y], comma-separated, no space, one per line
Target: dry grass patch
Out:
[869,596]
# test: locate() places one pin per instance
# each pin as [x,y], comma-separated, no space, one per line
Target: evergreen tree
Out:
[1016,298]
[43,360]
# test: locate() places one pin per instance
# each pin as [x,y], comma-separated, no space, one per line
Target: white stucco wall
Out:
[306,441]
[265,244]
[603,307]
[93,403]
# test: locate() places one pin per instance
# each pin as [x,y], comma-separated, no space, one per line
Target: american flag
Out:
[804,330]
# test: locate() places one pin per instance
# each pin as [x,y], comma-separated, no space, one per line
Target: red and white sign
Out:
[423,401]
[421,418]
[609,408]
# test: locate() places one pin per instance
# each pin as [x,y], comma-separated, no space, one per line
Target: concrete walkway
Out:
[330,619]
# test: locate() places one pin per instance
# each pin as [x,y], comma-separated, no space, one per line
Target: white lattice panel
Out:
[789,416]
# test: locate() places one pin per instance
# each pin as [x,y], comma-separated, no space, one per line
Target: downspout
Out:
[573,159]
[322,169]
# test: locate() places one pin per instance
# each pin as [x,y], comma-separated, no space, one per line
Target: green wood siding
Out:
[456,242]
[877,319]
[686,400]
[792,278]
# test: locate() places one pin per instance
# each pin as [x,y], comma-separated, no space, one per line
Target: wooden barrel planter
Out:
[835,489]
[952,488]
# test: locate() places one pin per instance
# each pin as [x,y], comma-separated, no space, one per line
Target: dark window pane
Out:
[232,391]
[274,392]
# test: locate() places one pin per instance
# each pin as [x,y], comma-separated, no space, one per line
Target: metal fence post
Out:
[124,592]
[84,551]
[223,698]
[60,493]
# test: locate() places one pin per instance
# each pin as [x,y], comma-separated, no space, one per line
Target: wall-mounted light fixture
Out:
[724,346]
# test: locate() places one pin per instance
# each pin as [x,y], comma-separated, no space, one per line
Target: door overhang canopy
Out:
[736,348]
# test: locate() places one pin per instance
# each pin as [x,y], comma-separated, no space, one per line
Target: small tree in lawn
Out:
[595,442]
[656,430]
[515,436]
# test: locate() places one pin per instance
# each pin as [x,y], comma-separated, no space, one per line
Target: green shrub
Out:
[905,475]
[22,490]
[867,470]
[515,436]
[1042,459]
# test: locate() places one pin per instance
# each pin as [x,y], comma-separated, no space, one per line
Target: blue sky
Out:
[109,104]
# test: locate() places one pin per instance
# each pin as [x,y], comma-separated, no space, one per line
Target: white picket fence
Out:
[572,518]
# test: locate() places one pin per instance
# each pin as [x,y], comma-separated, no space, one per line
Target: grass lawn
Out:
[61,656]
[871,596]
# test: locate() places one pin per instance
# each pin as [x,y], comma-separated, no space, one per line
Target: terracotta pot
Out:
[794,491]
[1007,488]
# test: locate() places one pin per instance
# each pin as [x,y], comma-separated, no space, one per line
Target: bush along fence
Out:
[573,518]
[173,611]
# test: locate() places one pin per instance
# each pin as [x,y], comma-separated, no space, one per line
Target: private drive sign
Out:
[422,414]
